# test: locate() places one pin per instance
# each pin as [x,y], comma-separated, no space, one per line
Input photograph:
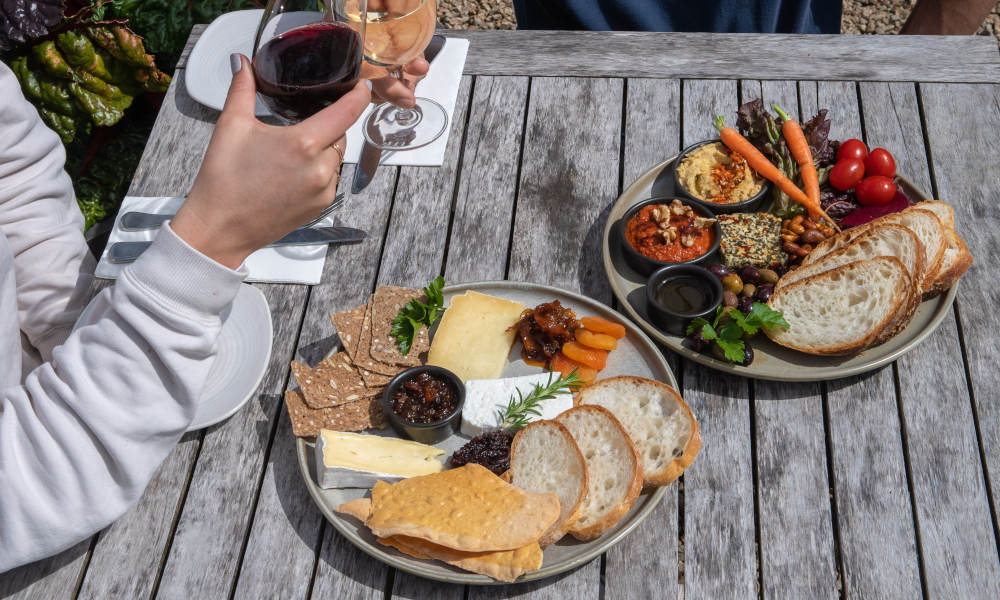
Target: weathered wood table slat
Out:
[876,486]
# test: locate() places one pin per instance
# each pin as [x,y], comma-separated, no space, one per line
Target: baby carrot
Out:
[799,148]
[758,162]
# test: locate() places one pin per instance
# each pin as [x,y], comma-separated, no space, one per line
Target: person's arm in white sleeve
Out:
[41,221]
[82,434]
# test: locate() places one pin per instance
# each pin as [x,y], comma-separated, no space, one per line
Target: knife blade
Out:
[126,252]
[371,156]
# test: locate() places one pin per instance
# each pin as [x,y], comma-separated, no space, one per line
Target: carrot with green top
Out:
[735,141]
[799,148]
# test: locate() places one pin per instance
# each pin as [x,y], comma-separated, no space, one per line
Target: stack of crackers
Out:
[467,517]
[341,392]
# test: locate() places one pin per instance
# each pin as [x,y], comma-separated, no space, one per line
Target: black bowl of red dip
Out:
[424,403]
[645,234]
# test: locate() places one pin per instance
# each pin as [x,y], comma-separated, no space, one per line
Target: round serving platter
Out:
[771,361]
[636,355]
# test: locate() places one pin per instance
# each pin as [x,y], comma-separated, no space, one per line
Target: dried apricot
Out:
[599,325]
[590,357]
[601,341]
[565,366]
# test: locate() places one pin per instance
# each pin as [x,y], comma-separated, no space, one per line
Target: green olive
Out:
[732,283]
[748,290]
[729,299]
[768,276]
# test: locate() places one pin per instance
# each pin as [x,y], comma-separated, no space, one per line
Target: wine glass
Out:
[396,32]
[303,58]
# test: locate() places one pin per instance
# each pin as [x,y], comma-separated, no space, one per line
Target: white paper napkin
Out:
[290,264]
[441,85]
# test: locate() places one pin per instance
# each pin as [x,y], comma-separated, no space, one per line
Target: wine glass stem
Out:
[404,116]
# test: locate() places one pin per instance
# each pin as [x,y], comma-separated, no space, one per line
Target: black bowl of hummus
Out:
[711,175]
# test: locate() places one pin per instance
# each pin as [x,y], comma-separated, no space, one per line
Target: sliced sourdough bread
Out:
[614,469]
[659,422]
[942,210]
[924,224]
[957,260]
[545,458]
[845,309]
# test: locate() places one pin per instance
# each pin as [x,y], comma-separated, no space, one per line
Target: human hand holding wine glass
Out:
[258,181]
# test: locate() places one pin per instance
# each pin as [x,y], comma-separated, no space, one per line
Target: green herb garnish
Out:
[520,409]
[729,336]
[416,314]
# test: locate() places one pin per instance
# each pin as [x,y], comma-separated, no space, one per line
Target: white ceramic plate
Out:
[208,73]
[244,348]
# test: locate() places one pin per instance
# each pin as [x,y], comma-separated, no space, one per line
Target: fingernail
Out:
[235,62]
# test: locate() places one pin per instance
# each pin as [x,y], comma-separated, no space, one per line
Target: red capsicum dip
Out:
[670,232]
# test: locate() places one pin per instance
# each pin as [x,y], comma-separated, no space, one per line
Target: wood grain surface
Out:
[725,56]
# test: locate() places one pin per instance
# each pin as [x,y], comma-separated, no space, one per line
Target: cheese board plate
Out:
[771,361]
[636,355]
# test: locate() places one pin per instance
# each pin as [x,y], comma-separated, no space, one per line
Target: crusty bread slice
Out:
[657,419]
[614,469]
[957,260]
[843,310]
[924,224]
[942,210]
[545,458]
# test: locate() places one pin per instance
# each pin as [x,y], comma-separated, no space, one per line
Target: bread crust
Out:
[950,275]
[632,493]
[896,319]
[559,528]
[678,465]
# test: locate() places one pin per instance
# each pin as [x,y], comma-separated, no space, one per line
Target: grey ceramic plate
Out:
[636,355]
[771,361]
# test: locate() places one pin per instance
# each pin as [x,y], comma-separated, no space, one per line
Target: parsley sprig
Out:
[520,409]
[729,336]
[416,314]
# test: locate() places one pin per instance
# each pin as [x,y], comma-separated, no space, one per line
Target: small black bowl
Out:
[426,433]
[645,265]
[676,322]
[749,205]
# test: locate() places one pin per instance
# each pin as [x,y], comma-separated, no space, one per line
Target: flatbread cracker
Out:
[348,325]
[364,358]
[354,416]
[386,304]
[506,565]
[332,382]
[376,381]
[468,509]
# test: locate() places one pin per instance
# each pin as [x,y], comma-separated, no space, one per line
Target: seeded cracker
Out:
[348,324]
[364,359]
[354,416]
[332,382]
[386,304]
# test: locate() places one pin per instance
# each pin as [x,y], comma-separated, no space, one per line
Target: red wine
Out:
[305,69]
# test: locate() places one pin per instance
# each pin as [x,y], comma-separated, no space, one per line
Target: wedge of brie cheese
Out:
[485,397]
[355,460]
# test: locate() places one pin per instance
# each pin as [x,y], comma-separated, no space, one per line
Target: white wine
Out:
[397,31]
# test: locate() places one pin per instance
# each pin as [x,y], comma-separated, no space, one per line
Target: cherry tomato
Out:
[852,148]
[847,173]
[880,162]
[877,189]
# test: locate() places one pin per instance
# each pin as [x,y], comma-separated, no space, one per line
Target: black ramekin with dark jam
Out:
[424,403]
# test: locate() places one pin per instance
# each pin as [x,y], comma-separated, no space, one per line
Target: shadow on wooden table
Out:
[27,576]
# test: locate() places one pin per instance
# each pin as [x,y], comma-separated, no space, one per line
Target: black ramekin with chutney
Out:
[424,403]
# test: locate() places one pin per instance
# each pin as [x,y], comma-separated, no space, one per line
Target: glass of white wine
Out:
[395,33]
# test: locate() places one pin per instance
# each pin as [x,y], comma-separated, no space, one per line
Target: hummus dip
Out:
[713,174]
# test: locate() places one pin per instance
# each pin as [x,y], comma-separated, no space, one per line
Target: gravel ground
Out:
[860,16]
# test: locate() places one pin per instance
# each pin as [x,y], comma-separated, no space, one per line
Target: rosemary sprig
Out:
[520,410]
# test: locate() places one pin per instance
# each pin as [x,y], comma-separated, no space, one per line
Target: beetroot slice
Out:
[864,214]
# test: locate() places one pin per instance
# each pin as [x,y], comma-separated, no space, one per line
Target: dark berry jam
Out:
[491,450]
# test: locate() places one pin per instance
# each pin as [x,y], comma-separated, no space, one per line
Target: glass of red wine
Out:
[304,59]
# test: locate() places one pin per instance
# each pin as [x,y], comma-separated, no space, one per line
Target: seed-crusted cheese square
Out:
[751,239]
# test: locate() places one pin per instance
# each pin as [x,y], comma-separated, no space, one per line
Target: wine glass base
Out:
[389,127]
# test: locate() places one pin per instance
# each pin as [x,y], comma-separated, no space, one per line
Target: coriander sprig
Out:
[520,410]
[729,336]
[416,314]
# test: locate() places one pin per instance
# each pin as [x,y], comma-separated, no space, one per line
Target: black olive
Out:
[720,271]
[698,342]
[750,274]
[764,293]
[746,304]
[719,353]
[747,354]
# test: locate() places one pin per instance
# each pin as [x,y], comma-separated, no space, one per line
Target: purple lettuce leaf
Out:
[24,20]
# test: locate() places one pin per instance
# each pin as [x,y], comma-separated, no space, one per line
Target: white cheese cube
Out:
[485,397]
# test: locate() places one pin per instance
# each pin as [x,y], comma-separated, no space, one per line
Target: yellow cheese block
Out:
[354,460]
[472,340]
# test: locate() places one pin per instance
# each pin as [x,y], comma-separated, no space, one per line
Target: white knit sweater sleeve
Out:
[82,434]
[40,219]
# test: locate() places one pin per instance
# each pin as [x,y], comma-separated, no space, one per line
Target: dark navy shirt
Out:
[724,16]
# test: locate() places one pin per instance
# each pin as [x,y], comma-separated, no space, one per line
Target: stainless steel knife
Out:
[371,156]
[125,252]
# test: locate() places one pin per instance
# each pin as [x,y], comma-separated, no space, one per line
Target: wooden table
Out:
[879,486]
